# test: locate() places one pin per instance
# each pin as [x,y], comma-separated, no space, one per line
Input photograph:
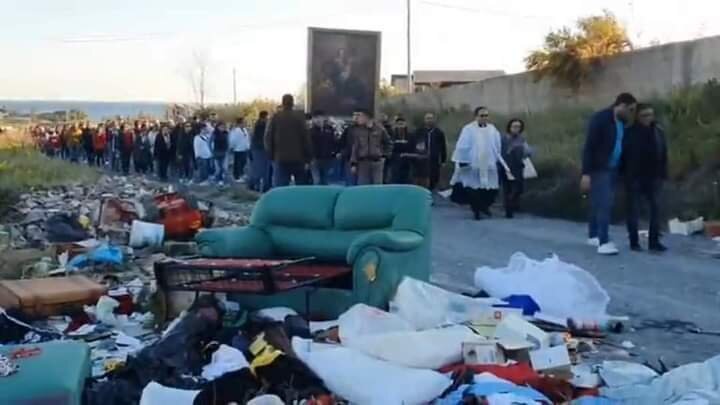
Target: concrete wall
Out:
[646,73]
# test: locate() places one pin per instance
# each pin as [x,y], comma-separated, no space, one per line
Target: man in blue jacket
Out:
[601,159]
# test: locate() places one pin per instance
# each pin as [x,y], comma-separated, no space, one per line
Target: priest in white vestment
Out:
[477,160]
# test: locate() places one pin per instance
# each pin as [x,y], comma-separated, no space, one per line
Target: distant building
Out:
[438,79]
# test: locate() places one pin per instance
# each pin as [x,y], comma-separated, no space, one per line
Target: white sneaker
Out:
[594,242]
[608,249]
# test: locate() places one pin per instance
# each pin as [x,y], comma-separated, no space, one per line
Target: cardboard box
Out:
[517,350]
[495,316]
[514,328]
[554,360]
[477,353]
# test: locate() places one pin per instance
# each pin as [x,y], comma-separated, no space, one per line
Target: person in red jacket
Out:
[99,145]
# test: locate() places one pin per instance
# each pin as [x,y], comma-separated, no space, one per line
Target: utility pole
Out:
[234,88]
[409,66]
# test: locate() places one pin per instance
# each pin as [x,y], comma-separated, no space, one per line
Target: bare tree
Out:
[197,75]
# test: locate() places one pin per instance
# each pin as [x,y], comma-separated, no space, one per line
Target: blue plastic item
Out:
[103,254]
[524,302]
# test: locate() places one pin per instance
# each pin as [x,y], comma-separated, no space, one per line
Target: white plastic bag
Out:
[426,306]
[364,380]
[362,320]
[430,349]
[226,359]
[156,394]
[560,289]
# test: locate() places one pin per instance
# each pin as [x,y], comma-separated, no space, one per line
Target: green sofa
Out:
[382,232]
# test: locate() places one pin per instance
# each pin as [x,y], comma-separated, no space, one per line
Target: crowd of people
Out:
[290,147]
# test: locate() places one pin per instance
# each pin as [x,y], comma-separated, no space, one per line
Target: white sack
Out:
[426,306]
[560,289]
[156,394]
[431,349]
[363,320]
[364,380]
[695,383]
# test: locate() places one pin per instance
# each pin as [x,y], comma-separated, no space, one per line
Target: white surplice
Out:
[479,147]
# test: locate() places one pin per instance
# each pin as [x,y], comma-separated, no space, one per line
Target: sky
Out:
[142,50]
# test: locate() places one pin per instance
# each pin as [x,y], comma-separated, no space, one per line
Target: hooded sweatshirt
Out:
[201,144]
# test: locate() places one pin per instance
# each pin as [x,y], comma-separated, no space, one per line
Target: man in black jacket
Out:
[435,153]
[324,147]
[601,158]
[644,170]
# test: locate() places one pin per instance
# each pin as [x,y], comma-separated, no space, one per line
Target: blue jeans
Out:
[203,169]
[220,162]
[350,178]
[321,171]
[602,197]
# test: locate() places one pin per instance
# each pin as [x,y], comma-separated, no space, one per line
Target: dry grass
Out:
[22,168]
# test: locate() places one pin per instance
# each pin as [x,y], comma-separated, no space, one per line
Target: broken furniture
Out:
[42,297]
[245,276]
[48,373]
[381,232]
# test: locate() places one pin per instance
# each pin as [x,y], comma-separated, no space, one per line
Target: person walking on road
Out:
[203,153]
[163,151]
[260,180]
[288,144]
[324,147]
[239,145]
[644,168]
[220,143]
[601,159]
[434,139]
[185,152]
[515,150]
[478,159]
[371,146]
[127,138]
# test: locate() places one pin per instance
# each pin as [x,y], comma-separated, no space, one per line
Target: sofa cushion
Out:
[383,207]
[325,245]
[308,207]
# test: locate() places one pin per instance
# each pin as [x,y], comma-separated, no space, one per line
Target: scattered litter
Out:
[627,344]
[686,228]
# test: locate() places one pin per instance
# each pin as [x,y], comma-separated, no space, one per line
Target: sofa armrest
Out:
[393,241]
[240,242]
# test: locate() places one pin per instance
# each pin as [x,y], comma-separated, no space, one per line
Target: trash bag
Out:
[62,228]
[560,289]
[362,379]
[427,349]
[362,320]
[694,383]
[426,306]
[103,254]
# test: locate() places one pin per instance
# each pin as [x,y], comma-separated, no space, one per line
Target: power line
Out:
[485,11]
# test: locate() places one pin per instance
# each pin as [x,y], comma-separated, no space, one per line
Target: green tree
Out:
[569,56]
[387,90]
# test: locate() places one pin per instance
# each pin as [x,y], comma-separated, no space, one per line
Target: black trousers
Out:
[163,164]
[239,162]
[635,192]
[125,161]
[186,167]
[512,191]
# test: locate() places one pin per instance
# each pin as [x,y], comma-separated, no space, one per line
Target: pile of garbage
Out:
[515,344]
[106,210]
